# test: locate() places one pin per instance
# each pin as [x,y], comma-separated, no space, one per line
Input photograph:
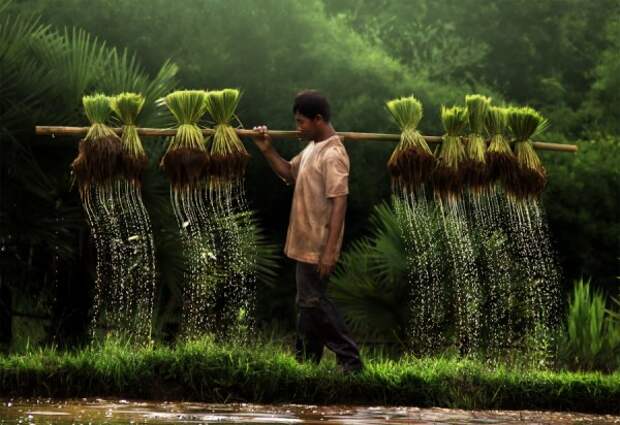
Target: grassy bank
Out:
[205,371]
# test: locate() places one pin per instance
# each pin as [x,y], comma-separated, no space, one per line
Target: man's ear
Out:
[318,118]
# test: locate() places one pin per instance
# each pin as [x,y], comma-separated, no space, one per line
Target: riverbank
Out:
[208,372]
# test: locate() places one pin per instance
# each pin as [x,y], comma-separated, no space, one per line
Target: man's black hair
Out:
[311,103]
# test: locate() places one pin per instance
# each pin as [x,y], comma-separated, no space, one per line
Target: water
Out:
[426,275]
[99,412]
[539,276]
[500,267]
[125,263]
[216,227]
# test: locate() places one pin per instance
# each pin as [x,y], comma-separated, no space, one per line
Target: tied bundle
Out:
[100,151]
[530,177]
[412,161]
[475,172]
[127,107]
[228,156]
[186,161]
[448,176]
[501,161]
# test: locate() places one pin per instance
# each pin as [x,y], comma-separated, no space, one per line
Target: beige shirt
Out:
[320,172]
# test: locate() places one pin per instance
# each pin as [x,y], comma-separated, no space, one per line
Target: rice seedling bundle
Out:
[475,172]
[127,107]
[100,151]
[186,160]
[448,175]
[530,177]
[228,156]
[501,161]
[412,161]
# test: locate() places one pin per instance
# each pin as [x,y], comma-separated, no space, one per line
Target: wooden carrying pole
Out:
[280,134]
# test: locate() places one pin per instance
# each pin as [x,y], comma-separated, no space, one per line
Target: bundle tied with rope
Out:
[412,161]
[127,107]
[475,171]
[448,175]
[501,161]
[530,177]
[100,152]
[186,160]
[228,156]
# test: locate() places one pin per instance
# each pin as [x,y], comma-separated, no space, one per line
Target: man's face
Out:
[307,128]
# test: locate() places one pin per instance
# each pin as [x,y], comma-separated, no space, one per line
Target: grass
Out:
[267,373]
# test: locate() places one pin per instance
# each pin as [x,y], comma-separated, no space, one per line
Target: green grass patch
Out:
[267,373]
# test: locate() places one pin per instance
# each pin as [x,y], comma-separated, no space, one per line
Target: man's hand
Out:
[263,141]
[327,263]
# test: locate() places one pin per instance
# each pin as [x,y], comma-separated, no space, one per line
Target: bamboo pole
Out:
[278,134]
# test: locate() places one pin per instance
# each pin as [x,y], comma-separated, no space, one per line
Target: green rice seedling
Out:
[412,161]
[126,107]
[530,177]
[228,156]
[475,172]
[501,161]
[100,151]
[448,175]
[186,160]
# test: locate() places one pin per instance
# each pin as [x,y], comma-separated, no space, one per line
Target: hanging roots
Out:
[475,172]
[410,165]
[448,174]
[185,166]
[529,178]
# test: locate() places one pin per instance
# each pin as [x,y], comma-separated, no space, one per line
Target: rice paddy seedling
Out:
[448,175]
[228,156]
[99,152]
[475,172]
[412,161]
[186,160]
[126,107]
[530,177]
[501,161]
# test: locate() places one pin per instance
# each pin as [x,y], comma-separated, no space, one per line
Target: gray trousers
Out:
[319,323]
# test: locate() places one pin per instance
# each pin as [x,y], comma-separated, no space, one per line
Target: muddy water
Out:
[99,412]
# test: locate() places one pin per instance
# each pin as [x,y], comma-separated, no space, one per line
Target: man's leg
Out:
[309,344]
[328,323]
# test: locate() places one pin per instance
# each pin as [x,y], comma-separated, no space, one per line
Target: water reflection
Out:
[100,412]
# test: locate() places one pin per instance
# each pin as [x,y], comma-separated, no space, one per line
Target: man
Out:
[314,238]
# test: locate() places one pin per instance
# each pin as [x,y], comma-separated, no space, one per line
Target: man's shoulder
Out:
[335,147]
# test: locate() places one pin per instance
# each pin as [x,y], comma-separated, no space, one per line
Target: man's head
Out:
[312,114]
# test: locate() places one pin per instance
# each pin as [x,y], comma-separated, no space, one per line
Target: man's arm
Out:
[327,262]
[278,164]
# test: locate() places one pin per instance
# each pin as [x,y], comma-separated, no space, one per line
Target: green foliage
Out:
[370,282]
[454,120]
[98,110]
[210,371]
[592,338]
[477,108]
[496,120]
[526,123]
[187,107]
[582,204]
[406,112]
[222,104]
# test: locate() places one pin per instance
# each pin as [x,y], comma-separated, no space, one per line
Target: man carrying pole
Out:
[314,238]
